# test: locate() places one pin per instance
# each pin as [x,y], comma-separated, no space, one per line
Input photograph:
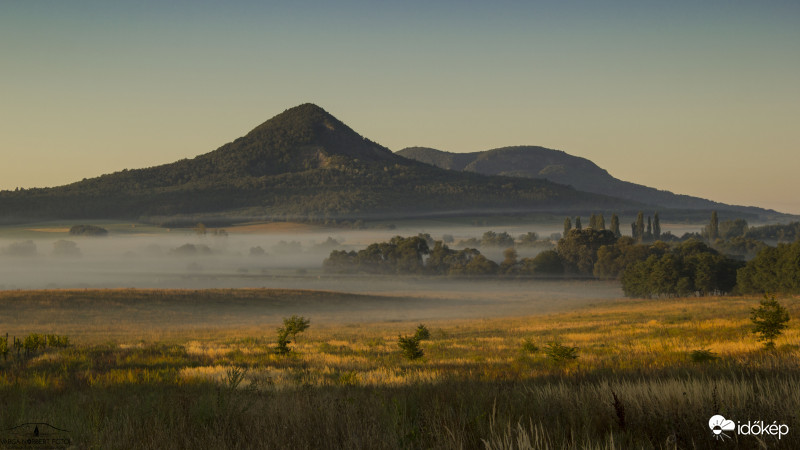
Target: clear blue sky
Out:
[701,98]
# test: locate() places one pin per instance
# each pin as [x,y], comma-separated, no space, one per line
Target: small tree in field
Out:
[769,320]
[409,345]
[291,327]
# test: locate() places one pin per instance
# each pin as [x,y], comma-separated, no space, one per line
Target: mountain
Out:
[301,164]
[560,167]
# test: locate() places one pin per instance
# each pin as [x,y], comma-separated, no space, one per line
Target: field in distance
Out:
[610,374]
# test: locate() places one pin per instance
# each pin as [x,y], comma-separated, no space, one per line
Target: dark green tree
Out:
[615,225]
[730,229]
[601,222]
[567,226]
[648,235]
[578,223]
[593,222]
[547,262]
[638,227]
[769,320]
[656,227]
[713,227]
[578,250]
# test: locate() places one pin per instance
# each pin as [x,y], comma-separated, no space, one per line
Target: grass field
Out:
[184,375]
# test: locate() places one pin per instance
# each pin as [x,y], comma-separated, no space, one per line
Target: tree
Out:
[615,225]
[648,235]
[638,227]
[601,222]
[713,227]
[578,250]
[578,223]
[656,227]
[593,222]
[731,229]
[509,264]
[774,269]
[545,263]
[409,345]
[769,320]
[410,348]
[292,326]
[567,225]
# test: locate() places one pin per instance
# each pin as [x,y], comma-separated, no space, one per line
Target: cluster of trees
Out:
[420,255]
[774,269]
[88,230]
[505,240]
[691,268]
[638,231]
[736,238]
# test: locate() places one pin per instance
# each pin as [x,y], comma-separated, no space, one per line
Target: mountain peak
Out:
[300,138]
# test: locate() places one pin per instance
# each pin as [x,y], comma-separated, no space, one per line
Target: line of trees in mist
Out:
[692,265]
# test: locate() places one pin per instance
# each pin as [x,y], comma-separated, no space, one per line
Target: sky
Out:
[699,98]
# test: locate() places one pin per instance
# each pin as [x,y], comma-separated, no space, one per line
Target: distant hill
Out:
[301,164]
[560,167]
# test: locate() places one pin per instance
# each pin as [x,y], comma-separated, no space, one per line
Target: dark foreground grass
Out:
[652,411]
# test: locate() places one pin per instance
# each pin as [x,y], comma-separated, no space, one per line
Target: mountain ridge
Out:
[561,167]
[301,163]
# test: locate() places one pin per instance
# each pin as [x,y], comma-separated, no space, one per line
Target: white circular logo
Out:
[719,425]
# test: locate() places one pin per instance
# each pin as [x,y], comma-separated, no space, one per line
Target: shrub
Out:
[559,352]
[410,347]
[703,355]
[529,346]
[292,326]
[4,347]
[296,324]
[422,333]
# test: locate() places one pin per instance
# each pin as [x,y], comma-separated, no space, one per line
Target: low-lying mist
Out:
[217,259]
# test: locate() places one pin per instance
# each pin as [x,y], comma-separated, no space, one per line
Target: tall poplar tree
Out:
[601,222]
[639,227]
[567,226]
[615,225]
[713,227]
[578,223]
[656,227]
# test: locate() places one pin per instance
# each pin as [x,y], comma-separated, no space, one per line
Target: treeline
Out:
[421,255]
[645,269]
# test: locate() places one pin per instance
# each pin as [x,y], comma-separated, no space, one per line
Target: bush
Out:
[703,355]
[292,326]
[559,352]
[422,333]
[410,347]
[528,346]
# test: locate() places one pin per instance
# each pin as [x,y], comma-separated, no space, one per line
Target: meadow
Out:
[198,369]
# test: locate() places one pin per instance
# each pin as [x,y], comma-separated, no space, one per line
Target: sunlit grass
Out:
[640,349]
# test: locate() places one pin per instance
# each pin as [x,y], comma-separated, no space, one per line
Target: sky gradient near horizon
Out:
[699,98]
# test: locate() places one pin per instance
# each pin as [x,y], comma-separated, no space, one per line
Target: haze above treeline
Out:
[306,165]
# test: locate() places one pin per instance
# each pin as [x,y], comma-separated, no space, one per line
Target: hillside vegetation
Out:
[561,167]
